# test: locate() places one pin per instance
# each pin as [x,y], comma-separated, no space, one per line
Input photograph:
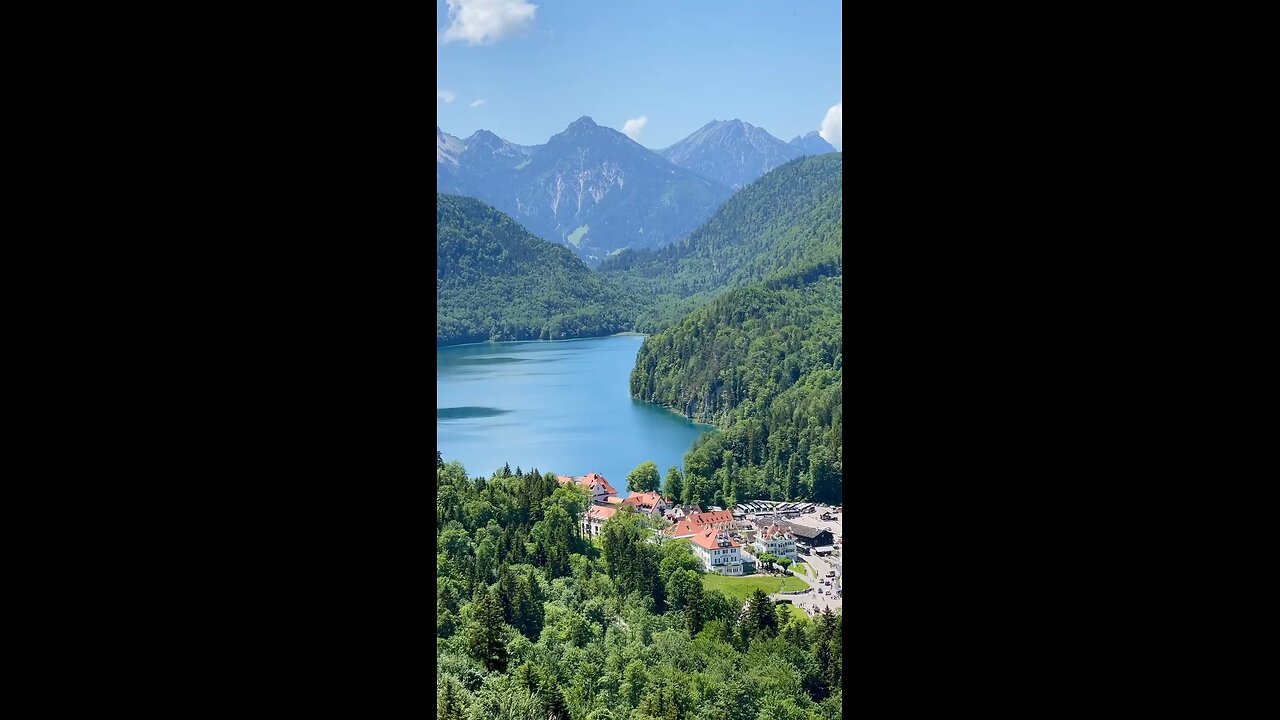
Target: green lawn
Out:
[741,587]
[802,567]
[796,611]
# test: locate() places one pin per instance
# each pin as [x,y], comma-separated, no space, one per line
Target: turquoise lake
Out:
[561,406]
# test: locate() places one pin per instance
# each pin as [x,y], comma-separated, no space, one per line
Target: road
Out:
[819,566]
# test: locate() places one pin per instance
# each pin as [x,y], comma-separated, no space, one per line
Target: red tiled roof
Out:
[685,529]
[650,498]
[601,512]
[708,518]
[591,479]
[708,539]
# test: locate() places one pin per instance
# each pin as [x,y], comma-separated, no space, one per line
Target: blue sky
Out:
[525,69]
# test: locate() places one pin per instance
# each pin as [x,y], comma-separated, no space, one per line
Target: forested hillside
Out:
[534,621]
[788,220]
[763,364]
[496,281]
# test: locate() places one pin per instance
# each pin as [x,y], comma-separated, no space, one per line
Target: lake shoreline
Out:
[562,407]
[537,340]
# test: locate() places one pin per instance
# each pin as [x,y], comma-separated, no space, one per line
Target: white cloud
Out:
[446,95]
[633,127]
[833,126]
[478,103]
[479,22]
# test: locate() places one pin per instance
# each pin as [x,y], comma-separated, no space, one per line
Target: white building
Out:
[593,483]
[594,518]
[776,540]
[718,552]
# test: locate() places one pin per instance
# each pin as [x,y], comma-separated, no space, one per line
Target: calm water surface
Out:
[562,407]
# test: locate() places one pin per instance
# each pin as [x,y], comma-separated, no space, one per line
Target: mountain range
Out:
[598,192]
[735,153]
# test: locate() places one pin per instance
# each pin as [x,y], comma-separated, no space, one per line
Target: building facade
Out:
[776,540]
[594,518]
[718,552]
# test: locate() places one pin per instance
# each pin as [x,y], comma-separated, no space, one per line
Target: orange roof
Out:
[708,539]
[650,498]
[592,479]
[685,529]
[708,518]
[601,512]
[564,480]
[614,500]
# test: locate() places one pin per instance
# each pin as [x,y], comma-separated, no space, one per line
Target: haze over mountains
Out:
[734,153]
[599,192]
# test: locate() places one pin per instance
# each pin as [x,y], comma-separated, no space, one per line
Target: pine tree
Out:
[485,632]
[449,703]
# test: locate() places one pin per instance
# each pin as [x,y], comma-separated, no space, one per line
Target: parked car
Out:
[831,573]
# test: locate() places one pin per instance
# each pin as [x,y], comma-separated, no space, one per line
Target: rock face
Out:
[589,187]
[812,144]
[731,152]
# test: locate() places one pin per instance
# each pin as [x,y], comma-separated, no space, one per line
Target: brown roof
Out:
[614,500]
[708,539]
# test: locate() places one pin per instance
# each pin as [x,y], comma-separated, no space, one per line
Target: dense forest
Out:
[763,363]
[788,220]
[533,621]
[496,281]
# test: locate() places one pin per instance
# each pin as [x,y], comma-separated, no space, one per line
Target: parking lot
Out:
[811,601]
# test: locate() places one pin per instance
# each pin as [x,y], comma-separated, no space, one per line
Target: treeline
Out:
[764,364]
[496,281]
[534,621]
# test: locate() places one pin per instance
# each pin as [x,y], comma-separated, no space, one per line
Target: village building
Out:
[776,540]
[811,539]
[647,502]
[678,513]
[684,529]
[593,483]
[722,519]
[595,517]
[718,552]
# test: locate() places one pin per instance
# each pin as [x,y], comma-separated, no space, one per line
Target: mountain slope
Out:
[590,187]
[812,144]
[496,281]
[731,152]
[790,218]
[764,364]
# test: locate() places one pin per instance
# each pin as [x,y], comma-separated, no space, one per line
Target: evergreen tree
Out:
[485,633]
[449,700]
[674,487]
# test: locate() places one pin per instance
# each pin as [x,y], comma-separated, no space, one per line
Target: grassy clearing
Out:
[795,610]
[741,587]
[576,237]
